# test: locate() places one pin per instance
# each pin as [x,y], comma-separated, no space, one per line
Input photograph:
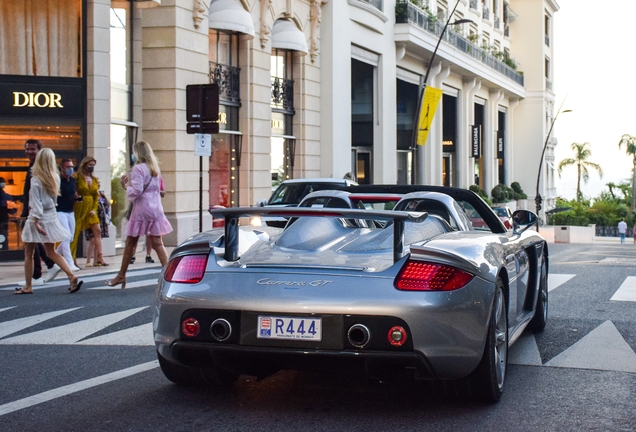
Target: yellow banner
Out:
[430,101]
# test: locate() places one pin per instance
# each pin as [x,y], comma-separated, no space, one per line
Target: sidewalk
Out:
[11,272]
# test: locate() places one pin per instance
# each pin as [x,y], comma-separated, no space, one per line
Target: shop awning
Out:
[285,35]
[146,4]
[231,16]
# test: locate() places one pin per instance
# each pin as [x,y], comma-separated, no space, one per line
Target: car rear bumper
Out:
[259,361]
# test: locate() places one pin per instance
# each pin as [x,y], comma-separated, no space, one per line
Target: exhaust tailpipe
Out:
[358,335]
[220,330]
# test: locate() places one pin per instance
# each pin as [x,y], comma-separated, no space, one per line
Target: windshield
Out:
[293,193]
[501,211]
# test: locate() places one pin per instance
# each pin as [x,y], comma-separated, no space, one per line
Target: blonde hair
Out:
[45,170]
[144,154]
[83,163]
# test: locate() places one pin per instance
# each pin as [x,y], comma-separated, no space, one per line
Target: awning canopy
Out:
[285,35]
[231,16]
[147,4]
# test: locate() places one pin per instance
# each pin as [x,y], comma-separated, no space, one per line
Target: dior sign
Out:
[46,99]
[40,100]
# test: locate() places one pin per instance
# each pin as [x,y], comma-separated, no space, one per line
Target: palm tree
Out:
[611,187]
[582,153]
[630,148]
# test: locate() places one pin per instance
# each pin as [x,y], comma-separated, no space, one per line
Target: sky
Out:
[595,77]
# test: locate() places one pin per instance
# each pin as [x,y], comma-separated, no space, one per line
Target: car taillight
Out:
[397,336]
[190,327]
[424,276]
[186,269]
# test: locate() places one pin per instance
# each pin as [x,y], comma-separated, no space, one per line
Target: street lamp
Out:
[423,89]
[537,198]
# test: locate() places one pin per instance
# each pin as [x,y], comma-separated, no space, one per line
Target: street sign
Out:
[203,128]
[202,103]
[203,144]
[202,108]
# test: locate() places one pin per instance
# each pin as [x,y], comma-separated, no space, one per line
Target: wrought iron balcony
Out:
[407,13]
[486,13]
[547,40]
[228,79]
[474,5]
[497,23]
[376,3]
[506,30]
[283,94]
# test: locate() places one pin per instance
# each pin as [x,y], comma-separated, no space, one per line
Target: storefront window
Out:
[41,38]
[225,161]
[59,135]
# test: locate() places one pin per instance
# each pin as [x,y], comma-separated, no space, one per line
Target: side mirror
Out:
[261,203]
[522,220]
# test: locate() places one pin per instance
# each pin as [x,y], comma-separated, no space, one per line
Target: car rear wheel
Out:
[196,376]
[540,318]
[487,381]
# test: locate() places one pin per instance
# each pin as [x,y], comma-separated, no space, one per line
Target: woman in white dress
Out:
[43,225]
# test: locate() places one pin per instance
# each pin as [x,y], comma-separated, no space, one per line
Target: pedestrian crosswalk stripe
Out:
[4,309]
[525,351]
[135,336]
[137,284]
[603,348]
[14,326]
[555,280]
[76,387]
[70,333]
[627,291]
[63,282]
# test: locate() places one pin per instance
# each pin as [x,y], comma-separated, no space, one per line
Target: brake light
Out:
[423,276]
[186,269]
[397,336]
[190,327]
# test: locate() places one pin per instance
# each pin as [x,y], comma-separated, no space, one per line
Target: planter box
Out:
[547,232]
[574,234]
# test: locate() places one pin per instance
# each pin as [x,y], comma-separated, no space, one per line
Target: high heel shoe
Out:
[116,281]
[75,287]
[100,261]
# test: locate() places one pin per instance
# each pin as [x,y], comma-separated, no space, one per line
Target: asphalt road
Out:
[64,368]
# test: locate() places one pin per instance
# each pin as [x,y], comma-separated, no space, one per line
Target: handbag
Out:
[130,204]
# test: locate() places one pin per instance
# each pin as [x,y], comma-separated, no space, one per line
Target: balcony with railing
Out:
[376,3]
[547,40]
[497,23]
[283,95]
[228,79]
[474,4]
[485,14]
[506,30]
[407,13]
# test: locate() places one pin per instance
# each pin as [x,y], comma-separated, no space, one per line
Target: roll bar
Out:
[232,215]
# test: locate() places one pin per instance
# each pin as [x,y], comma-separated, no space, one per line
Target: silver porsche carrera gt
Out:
[413,289]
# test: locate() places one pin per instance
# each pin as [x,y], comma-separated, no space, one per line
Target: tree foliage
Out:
[582,153]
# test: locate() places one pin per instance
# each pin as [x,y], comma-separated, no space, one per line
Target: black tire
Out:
[540,318]
[194,376]
[486,383]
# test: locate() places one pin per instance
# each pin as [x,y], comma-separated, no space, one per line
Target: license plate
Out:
[292,328]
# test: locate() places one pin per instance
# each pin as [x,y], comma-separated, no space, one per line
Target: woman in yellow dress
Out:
[86,208]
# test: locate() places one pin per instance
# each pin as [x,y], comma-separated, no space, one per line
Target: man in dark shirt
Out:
[31,149]
[66,215]
[5,211]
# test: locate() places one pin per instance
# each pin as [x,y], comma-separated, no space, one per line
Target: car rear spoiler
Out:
[232,215]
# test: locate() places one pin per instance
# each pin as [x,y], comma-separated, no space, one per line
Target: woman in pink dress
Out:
[147,217]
